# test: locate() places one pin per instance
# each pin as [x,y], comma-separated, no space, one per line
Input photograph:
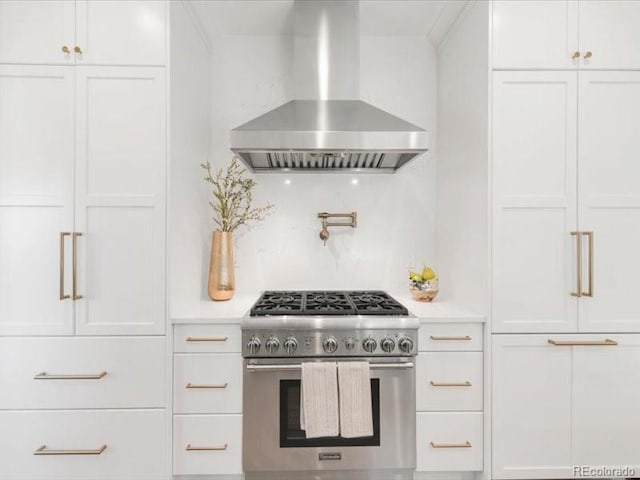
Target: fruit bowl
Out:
[425,291]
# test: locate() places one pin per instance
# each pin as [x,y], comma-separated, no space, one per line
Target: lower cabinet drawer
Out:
[83,445]
[449,441]
[207,383]
[207,444]
[448,381]
[114,372]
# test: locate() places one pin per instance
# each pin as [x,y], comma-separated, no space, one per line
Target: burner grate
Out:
[364,302]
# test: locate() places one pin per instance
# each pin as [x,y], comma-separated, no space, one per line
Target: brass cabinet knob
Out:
[78,50]
[65,49]
[588,55]
[576,55]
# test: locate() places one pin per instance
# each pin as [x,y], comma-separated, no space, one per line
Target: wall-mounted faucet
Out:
[324,233]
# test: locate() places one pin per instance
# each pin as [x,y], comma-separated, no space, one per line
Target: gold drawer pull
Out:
[447,384]
[43,451]
[607,342]
[445,338]
[190,385]
[451,445]
[207,339]
[46,376]
[191,448]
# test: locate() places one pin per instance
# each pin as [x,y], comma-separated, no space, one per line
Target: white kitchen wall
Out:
[252,74]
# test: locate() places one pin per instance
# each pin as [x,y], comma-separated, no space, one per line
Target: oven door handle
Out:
[298,366]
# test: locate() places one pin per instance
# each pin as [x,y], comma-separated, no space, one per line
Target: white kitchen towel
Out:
[354,384]
[319,415]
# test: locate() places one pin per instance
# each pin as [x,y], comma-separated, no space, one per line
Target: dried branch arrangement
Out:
[232,197]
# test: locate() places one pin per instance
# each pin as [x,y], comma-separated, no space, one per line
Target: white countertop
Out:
[232,311]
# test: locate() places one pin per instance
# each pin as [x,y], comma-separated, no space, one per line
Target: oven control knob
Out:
[290,345]
[369,345]
[387,344]
[405,344]
[330,344]
[272,345]
[350,343]
[253,345]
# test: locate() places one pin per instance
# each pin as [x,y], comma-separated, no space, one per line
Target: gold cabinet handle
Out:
[588,55]
[65,49]
[46,376]
[78,50]
[451,445]
[219,386]
[74,282]
[63,296]
[445,338]
[450,384]
[578,235]
[43,450]
[191,448]
[589,292]
[607,342]
[576,55]
[207,339]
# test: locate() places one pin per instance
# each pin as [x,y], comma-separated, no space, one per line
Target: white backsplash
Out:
[396,213]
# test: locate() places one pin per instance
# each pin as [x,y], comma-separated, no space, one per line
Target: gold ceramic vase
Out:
[222,284]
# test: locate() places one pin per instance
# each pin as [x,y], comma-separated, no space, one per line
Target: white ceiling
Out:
[430,18]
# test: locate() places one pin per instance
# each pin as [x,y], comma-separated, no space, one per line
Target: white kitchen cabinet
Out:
[609,200]
[534,201]
[133,444]
[564,400]
[606,400]
[84,32]
[609,30]
[114,173]
[533,35]
[566,34]
[531,412]
[120,200]
[36,198]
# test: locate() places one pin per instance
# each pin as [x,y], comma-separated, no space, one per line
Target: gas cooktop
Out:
[327,302]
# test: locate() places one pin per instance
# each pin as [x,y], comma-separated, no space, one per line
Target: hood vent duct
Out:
[327,128]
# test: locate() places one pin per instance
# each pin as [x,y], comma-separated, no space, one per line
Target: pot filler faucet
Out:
[324,233]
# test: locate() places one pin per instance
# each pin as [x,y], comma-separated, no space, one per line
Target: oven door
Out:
[274,442]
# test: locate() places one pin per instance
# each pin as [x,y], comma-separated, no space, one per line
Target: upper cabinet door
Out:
[120,200]
[609,206]
[37,31]
[534,201]
[121,33]
[609,31]
[535,35]
[36,199]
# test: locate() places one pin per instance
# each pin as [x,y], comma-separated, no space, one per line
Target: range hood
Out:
[327,128]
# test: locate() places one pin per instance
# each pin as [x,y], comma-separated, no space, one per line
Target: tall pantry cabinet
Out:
[83,133]
[562,83]
[565,236]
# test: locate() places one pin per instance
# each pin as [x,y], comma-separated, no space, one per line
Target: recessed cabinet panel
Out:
[531,411]
[36,31]
[609,30]
[609,194]
[606,395]
[534,201]
[121,274]
[121,33]
[30,268]
[535,35]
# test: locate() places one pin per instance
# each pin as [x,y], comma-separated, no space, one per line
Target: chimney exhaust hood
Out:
[327,128]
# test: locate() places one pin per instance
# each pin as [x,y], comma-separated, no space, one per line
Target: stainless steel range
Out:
[285,329]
